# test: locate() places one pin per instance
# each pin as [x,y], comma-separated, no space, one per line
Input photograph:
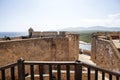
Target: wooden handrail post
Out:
[21,69]
[78,70]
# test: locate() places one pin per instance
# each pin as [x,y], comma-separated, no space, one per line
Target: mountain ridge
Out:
[93,28]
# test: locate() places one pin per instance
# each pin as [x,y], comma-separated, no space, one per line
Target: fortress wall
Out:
[36,34]
[103,54]
[47,33]
[34,49]
[73,46]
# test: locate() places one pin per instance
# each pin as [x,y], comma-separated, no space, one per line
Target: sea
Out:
[85,46]
[12,34]
[15,34]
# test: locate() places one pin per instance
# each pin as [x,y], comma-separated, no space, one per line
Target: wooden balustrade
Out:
[59,66]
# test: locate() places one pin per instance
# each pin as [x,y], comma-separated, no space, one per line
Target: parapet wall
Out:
[34,49]
[104,54]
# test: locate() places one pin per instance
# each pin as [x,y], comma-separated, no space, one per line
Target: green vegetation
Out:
[85,35]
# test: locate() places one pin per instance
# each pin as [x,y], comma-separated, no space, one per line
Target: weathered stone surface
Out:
[73,46]
[105,54]
[34,49]
[47,49]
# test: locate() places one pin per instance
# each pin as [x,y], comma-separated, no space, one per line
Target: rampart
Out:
[40,48]
[44,34]
[104,51]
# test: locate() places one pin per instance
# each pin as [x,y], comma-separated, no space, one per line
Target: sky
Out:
[43,15]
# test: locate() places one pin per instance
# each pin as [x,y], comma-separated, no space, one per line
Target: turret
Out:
[30,30]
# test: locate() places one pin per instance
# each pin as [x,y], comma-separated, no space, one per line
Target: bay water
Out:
[12,34]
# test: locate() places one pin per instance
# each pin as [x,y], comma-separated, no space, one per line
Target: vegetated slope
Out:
[85,35]
[93,28]
[86,32]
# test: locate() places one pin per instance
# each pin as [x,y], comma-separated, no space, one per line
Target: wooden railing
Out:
[11,68]
[22,69]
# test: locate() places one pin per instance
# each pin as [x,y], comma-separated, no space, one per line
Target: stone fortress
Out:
[40,46]
[61,46]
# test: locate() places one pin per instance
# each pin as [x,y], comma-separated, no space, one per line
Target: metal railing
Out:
[32,68]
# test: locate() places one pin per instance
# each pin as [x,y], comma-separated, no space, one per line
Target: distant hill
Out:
[94,28]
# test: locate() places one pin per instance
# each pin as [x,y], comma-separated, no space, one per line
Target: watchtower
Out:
[30,30]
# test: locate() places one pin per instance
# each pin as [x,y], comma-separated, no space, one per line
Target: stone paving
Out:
[86,58]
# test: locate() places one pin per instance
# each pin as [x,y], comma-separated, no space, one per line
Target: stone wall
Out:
[73,46]
[104,54]
[47,49]
[48,33]
[34,49]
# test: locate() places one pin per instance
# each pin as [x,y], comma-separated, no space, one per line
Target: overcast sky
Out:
[19,15]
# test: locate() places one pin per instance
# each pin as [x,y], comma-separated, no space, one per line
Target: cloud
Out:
[112,20]
[114,16]
[99,22]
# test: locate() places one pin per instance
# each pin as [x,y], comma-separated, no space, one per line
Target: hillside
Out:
[86,32]
[94,28]
[86,35]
